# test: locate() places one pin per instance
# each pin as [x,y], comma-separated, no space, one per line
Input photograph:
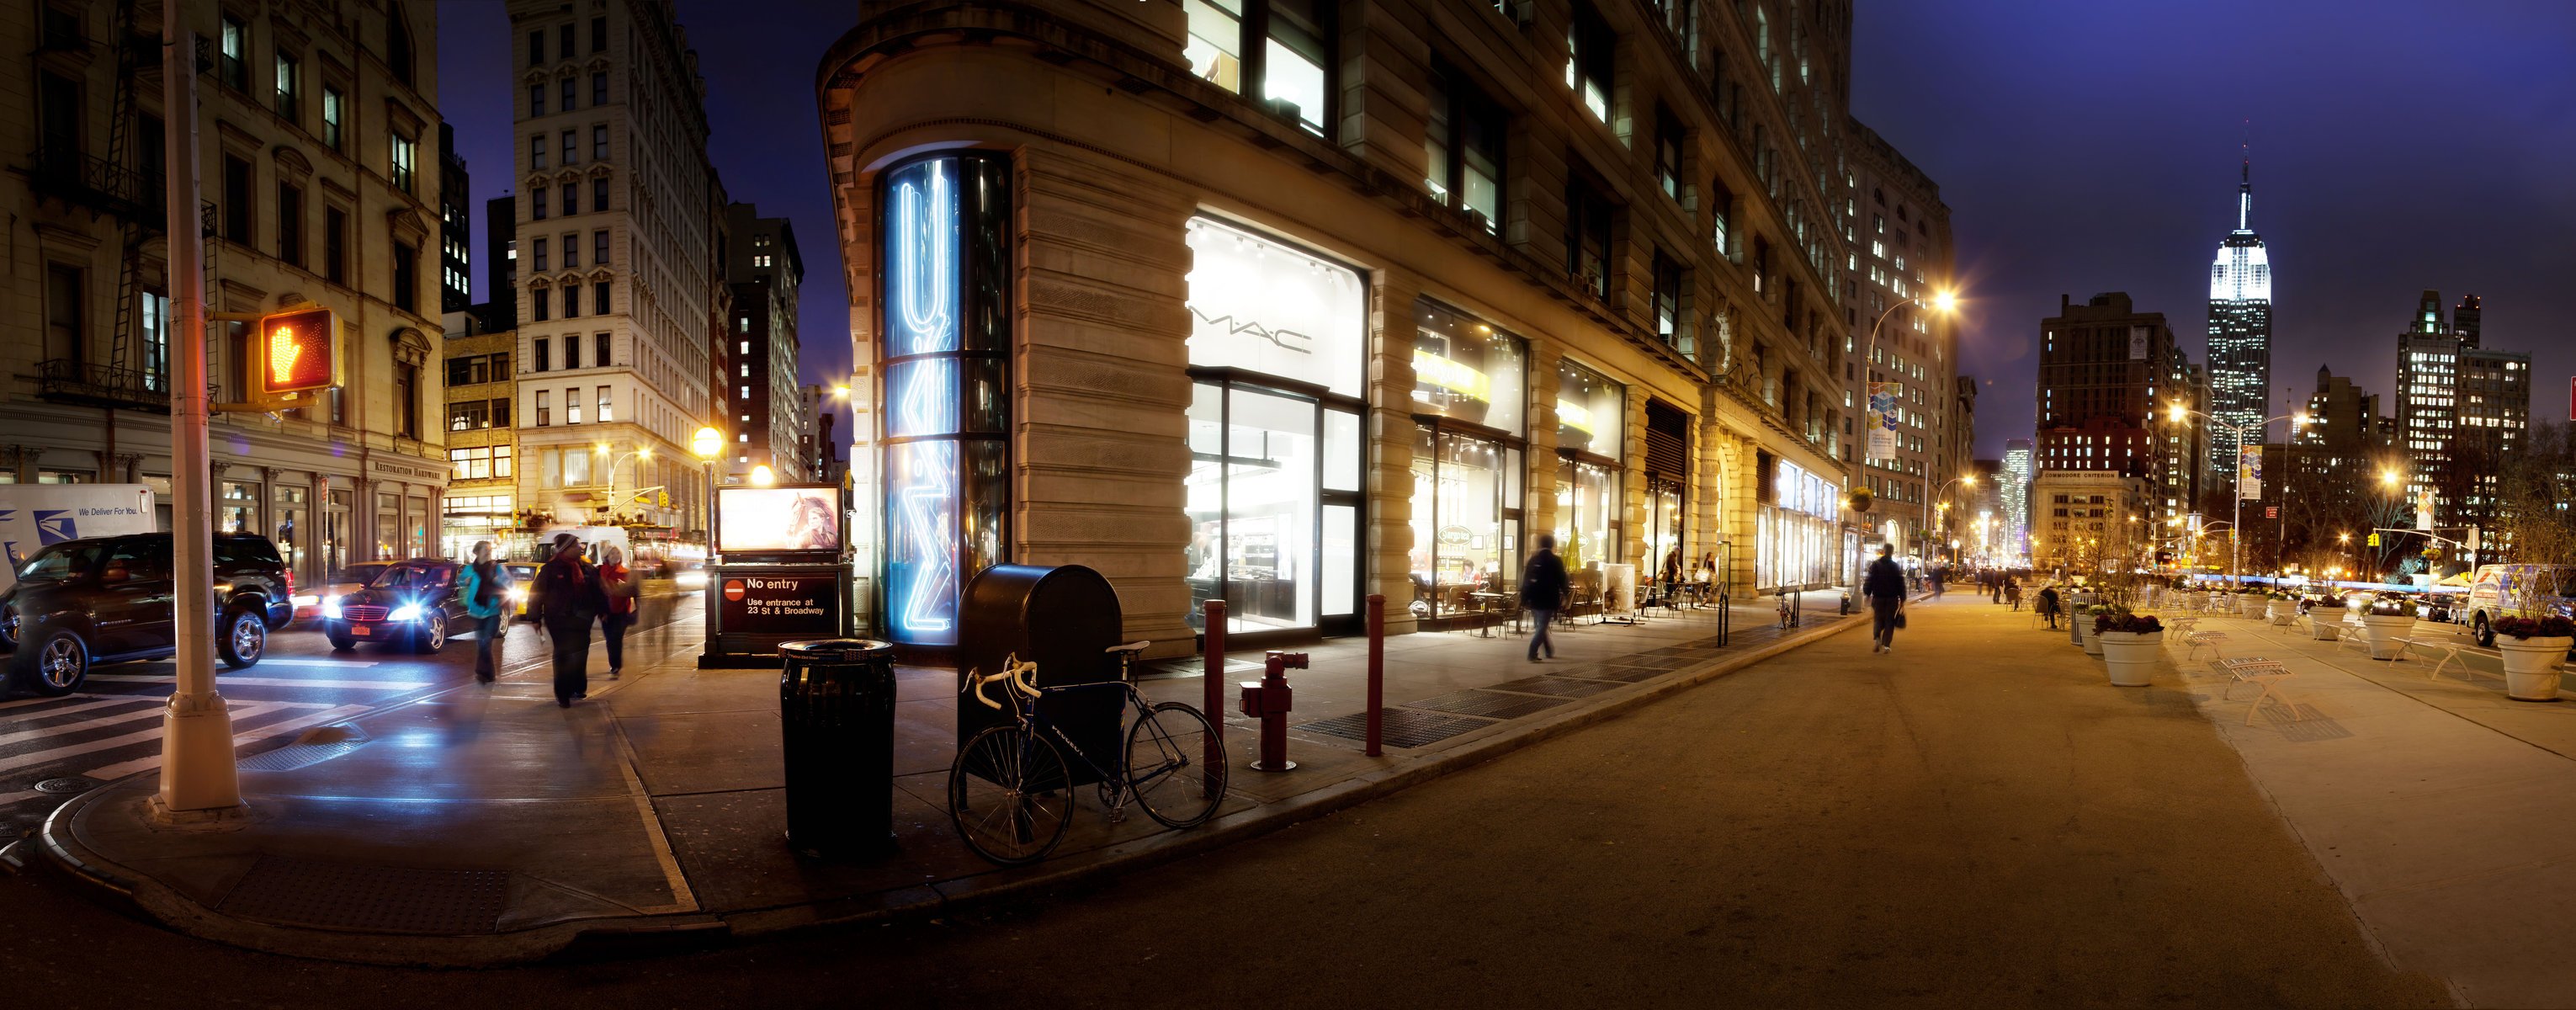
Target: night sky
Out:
[2082,147]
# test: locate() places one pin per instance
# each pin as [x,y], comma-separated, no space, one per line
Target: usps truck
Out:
[34,515]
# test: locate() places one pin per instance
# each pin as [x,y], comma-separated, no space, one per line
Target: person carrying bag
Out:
[1885,589]
[565,600]
[621,589]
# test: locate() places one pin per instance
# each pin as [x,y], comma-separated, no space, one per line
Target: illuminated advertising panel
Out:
[1265,306]
[778,520]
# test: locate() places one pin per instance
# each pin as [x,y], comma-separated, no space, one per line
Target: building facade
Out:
[619,286]
[2086,521]
[1287,303]
[1900,255]
[311,128]
[481,501]
[2108,378]
[2341,452]
[764,271]
[2240,334]
[2018,471]
[501,263]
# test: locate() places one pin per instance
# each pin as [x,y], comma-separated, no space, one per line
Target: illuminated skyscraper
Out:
[2240,332]
[2016,496]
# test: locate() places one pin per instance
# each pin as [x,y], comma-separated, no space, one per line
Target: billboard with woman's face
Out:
[775,520]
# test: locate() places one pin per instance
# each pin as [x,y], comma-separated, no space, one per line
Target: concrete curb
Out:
[628,936]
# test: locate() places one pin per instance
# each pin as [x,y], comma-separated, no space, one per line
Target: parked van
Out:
[2506,590]
[35,516]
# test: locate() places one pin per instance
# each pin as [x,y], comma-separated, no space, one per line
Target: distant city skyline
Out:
[2362,215]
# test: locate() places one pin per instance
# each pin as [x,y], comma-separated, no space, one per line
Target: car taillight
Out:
[290,583]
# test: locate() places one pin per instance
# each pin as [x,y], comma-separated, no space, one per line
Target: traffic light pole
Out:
[199,780]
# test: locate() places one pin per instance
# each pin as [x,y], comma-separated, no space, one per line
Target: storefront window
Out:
[237,511]
[1277,344]
[1468,370]
[1796,535]
[1587,526]
[1466,522]
[290,525]
[945,317]
[1664,531]
[388,527]
[1591,411]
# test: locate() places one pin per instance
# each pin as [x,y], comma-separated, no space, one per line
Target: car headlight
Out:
[519,595]
[330,606]
[406,612]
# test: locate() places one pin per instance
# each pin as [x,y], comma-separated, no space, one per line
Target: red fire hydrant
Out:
[1268,701]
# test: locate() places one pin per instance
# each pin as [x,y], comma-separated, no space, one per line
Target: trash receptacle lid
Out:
[835,650]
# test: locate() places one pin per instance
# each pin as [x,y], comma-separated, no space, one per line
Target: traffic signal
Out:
[297,351]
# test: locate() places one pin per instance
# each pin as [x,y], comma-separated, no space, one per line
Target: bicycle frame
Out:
[1117,784]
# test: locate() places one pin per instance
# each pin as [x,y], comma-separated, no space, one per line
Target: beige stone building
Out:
[1900,260]
[482,445]
[1288,303]
[2087,521]
[618,280]
[318,131]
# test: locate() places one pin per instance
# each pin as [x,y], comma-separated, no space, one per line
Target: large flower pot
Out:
[2531,666]
[2382,632]
[2251,607]
[2092,639]
[2130,655]
[2282,611]
[2321,630]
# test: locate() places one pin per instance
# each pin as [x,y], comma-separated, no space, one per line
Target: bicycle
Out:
[1789,610]
[1010,793]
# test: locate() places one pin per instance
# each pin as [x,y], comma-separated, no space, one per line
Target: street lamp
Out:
[1963,480]
[706,445]
[762,476]
[1945,302]
[640,455]
[2236,549]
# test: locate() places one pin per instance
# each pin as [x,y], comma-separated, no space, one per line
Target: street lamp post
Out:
[1932,542]
[705,444]
[1942,301]
[640,455]
[2235,523]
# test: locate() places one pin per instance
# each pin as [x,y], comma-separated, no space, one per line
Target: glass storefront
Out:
[237,507]
[1591,420]
[290,525]
[945,417]
[1469,395]
[1664,531]
[1276,349]
[1797,539]
[1591,412]
[1587,511]
[388,527]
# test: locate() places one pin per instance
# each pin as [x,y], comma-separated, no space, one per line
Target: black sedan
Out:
[417,603]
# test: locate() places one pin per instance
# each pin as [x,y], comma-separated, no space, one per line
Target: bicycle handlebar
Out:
[1013,671]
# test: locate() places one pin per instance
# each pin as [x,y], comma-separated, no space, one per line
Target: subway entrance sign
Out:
[297,352]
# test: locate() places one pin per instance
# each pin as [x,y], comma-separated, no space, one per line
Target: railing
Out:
[70,381]
[86,178]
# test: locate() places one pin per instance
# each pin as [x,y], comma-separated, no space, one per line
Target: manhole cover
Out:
[1489,704]
[1400,728]
[65,786]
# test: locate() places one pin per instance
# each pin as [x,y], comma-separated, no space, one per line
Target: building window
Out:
[406,277]
[407,400]
[1668,152]
[544,360]
[604,413]
[571,199]
[536,100]
[599,199]
[572,406]
[405,150]
[563,39]
[537,48]
[1721,206]
[572,353]
[537,151]
[571,155]
[572,308]
[66,327]
[599,142]
[1291,60]
[566,104]
[541,253]
[545,412]
[398,44]
[1668,297]
[332,102]
[290,224]
[1587,239]
[599,350]
[1589,45]
[290,92]
[540,301]
[599,299]
[598,89]
[1466,148]
[598,35]
[537,208]
[599,247]
[572,249]
[335,245]
[235,64]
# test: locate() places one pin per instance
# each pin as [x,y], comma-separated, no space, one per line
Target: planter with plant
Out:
[2533,648]
[2384,624]
[2250,604]
[2091,626]
[2130,644]
[2280,607]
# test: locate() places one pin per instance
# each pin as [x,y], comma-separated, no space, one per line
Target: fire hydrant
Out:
[1268,701]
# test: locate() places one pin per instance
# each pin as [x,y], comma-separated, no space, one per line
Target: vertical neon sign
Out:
[938,214]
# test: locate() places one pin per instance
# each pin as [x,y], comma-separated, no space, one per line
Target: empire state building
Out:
[2240,333]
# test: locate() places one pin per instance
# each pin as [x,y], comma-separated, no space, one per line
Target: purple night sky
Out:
[2081,147]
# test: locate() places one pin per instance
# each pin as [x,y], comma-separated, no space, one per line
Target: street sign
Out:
[298,352]
[2271,512]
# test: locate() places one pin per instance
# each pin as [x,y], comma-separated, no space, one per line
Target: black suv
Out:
[109,599]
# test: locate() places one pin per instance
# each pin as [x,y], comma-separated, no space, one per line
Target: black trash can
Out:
[836,718]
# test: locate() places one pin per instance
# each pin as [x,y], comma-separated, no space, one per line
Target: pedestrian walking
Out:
[1543,586]
[487,601]
[1885,588]
[1937,574]
[620,587]
[566,601]
[2012,594]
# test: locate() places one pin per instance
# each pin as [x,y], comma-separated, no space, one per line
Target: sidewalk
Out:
[487,826]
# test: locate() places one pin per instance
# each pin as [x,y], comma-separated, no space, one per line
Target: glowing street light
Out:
[762,477]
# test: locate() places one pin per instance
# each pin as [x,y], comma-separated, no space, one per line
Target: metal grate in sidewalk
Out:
[371,899]
[1400,728]
[1489,704]
[1555,687]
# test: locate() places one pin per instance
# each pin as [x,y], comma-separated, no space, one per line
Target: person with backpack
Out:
[1885,590]
[1543,586]
[620,587]
[564,601]
[487,600]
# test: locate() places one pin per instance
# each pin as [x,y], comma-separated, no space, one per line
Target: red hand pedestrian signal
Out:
[298,352]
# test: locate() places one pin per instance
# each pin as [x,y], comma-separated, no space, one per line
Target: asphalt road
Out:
[111,728]
[1975,820]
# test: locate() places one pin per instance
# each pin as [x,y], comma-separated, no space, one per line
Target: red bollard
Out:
[1268,701]
[1376,674]
[1213,701]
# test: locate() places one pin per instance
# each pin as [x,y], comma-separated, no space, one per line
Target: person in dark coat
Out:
[1543,586]
[1885,589]
[2048,605]
[565,600]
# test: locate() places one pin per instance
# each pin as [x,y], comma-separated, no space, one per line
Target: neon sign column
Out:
[945,220]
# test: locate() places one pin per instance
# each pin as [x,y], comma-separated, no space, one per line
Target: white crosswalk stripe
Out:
[125,768]
[84,726]
[220,684]
[240,713]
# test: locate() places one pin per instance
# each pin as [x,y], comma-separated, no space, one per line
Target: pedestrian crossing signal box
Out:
[296,352]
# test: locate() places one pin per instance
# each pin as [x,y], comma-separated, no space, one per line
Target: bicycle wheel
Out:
[1009,796]
[1162,748]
